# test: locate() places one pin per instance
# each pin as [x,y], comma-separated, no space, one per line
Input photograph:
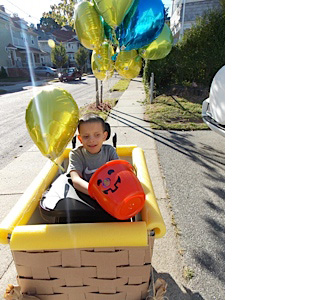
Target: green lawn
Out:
[121,85]
[175,113]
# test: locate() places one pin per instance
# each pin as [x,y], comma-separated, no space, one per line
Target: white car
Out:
[213,108]
[45,71]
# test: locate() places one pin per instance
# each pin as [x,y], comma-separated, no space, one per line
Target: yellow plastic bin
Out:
[83,261]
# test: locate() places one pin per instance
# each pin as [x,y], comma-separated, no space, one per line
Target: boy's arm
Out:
[112,154]
[78,182]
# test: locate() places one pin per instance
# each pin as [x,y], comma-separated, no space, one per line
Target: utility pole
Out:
[151,87]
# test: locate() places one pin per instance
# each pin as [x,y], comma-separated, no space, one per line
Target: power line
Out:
[23,11]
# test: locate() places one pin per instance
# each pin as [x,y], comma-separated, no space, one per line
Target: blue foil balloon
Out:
[143,23]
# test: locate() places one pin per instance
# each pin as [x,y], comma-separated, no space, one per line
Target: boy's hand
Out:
[78,182]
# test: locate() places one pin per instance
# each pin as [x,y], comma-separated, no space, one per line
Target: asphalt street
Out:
[193,164]
[15,138]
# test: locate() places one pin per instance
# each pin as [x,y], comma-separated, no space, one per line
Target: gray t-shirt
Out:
[86,163]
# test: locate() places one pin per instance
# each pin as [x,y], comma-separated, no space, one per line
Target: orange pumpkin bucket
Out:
[117,189]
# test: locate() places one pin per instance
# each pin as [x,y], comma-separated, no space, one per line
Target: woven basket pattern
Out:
[85,274]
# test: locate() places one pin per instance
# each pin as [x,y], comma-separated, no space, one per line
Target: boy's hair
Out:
[91,118]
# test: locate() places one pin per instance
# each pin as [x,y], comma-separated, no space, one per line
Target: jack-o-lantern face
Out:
[106,183]
[117,189]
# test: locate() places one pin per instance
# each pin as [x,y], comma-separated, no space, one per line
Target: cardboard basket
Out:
[121,273]
[83,261]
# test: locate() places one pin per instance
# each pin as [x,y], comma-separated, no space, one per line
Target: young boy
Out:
[86,159]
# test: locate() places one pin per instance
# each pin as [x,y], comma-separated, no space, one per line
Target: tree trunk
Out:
[97,98]
[101,91]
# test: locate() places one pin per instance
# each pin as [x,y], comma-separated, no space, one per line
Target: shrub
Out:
[196,58]
[59,55]
[3,73]
[81,57]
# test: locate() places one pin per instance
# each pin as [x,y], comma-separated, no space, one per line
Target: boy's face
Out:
[92,136]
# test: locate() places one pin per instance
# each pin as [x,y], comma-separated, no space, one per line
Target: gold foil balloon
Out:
[51,43]
[113,11]
[128,64]
[160,47]
[89,28]
[51,119]
[101,61]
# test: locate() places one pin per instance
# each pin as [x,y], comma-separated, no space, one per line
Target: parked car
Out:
[45,71]
[70,74]
[213,108]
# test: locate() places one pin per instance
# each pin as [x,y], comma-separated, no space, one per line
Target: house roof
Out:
[32,49]
[11,46]
[43,35]
[17,22]
[64,35]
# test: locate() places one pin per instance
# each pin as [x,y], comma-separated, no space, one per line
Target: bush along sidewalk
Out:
[195,59]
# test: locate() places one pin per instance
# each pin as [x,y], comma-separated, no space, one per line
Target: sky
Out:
[32,10]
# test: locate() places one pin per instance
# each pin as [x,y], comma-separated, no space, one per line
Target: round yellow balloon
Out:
[128,64]
[52,119]
[113,11]
[89,28]
[160,47]
[101,61]
[51,43]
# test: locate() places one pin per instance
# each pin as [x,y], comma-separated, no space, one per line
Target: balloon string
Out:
[114,38]
[59,166]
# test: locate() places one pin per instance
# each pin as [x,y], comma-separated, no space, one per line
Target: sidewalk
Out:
[126,120]
[11,87]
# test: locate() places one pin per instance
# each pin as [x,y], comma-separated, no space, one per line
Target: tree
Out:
[59,55]
[194,59]
[62,13]
[47,24]
[81,57]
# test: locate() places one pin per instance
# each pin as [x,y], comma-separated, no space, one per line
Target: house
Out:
[69,40]
[64,35]
[191,9]
[43,38]
[22,47]
[19,47]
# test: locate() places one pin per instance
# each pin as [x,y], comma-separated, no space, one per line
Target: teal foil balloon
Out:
[108,30]
[160,47]
[143,23]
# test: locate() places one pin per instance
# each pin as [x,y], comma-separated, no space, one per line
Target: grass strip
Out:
[121,85]
[167,114]
[103,109]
